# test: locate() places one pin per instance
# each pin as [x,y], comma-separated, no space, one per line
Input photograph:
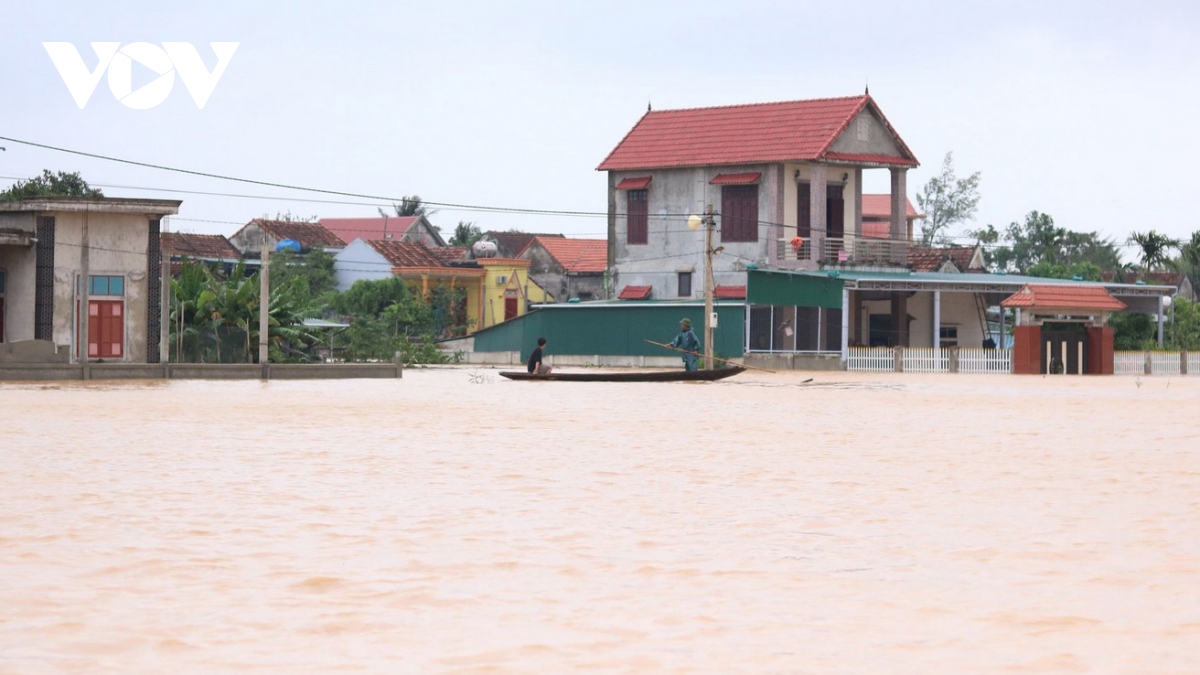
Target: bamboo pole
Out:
[715,358]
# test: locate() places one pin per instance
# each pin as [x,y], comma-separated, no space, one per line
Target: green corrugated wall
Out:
[781,288]
[612,329]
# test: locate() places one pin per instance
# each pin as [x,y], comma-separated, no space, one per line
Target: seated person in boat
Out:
[535,365]
[689,343]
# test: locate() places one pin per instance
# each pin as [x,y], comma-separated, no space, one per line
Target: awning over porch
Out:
[777,287]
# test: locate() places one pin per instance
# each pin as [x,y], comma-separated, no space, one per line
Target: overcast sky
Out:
[1083,110]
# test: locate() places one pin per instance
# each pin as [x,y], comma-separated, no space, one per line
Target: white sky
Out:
[1083,110]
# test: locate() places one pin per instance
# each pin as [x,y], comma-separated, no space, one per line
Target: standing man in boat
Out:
[535,365]
[687,341]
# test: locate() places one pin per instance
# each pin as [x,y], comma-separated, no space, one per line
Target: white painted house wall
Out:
[359,261]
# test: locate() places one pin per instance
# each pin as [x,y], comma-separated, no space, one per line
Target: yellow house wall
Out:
[516,274]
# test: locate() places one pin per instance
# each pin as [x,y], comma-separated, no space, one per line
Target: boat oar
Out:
[715,358]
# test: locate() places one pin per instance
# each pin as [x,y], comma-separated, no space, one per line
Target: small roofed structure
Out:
[249,239]
[1062,328]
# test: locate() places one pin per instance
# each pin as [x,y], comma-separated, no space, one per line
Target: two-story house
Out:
[784,179]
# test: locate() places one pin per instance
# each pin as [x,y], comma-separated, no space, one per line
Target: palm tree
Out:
[1189,257]
[410,206]
[1154,248]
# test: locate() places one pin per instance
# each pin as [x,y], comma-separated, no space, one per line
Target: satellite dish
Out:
[694,222]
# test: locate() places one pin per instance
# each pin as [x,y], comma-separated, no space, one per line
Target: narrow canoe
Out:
[631,376]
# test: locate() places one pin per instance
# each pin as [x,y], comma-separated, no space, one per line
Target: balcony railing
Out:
[839,250]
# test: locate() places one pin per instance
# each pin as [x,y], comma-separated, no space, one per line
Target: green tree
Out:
[50,184]
[1183,331]
[1154,249]
[1189,258]
[465,234]
[946,200]
[318,287]
[214,319]
[1133,331]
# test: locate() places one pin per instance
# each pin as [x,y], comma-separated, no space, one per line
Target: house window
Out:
[739,213]
[637,216]
[106,285]
[948,336]
[685,284]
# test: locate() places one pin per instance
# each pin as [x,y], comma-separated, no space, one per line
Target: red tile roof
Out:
[635,183]
[308,235]
[729,292]
[577,255]
[930,259]
[635,293]
[744,134]
[1064,296]
[449,254]
[880,207]
[405,254]
[877,229]
[370,228]
[512,244]
[736,178]
[209,246]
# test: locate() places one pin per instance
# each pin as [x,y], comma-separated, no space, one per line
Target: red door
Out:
[510,308]
[106,329]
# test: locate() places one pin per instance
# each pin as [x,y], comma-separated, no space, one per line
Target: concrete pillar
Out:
[1160,321]
[899,224]
[818,189]
[1148,368]
[953,359]
[898,359]
[858,188]
[85,301]
[900,317]
[937,319]
[845,325]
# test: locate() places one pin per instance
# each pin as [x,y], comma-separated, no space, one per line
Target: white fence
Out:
[979,360]
[930,360]
[926,360]
[1129,363]
[872,359]
[1160,363]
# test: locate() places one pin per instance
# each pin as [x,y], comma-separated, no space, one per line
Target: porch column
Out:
[1160,322]
[899,224]
[937,319]
[858,203]
[845,325]
[1000,341]
[817,190]
[900,317]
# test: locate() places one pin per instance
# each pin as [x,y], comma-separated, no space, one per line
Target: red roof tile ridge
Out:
[760,104]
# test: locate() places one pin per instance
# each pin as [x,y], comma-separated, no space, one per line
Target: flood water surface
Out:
[454,521]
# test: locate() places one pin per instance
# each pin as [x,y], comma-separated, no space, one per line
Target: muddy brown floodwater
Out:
[454,521]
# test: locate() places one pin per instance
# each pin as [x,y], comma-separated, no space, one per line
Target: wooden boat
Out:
[631,376]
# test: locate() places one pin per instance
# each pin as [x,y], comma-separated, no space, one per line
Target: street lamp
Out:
[710,319]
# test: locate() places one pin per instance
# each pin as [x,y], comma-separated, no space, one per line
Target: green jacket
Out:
[686,340]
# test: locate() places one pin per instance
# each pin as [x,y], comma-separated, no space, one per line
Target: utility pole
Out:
[709,226]
[264,303]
